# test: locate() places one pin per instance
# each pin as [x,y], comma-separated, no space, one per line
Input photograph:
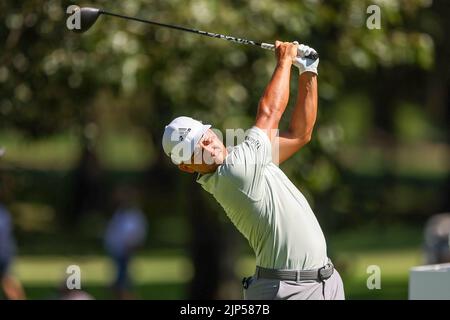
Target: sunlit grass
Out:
[421,159]
[98,270]
[127,150]
[151,272]
[59,152]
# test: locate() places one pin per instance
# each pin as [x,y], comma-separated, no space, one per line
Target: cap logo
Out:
[183,133]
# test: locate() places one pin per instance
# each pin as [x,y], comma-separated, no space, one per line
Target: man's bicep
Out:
[267,122]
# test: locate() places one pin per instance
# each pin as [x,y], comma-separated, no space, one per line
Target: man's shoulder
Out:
[253,140]
[258,135]
[241,163]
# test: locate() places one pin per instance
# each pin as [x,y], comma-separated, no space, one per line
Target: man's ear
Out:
[185,168]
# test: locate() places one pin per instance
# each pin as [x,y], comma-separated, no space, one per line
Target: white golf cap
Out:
[181,136]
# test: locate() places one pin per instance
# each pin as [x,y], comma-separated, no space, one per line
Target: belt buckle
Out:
[327,266]
[245,282]
[319,275]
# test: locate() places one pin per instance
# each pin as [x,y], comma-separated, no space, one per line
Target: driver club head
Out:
[88,16]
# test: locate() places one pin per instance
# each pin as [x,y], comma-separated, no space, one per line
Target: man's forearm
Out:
[276,95]
[305,111]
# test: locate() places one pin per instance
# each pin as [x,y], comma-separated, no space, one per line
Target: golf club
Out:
[88,16]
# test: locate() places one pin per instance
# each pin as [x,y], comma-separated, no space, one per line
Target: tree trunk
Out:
[88,191]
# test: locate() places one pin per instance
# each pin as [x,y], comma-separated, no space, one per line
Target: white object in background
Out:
[431,282]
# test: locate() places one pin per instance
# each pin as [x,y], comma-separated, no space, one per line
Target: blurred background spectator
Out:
[10,285]
[126,232]
[437,239]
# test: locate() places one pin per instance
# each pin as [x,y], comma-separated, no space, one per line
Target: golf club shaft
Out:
[263,45]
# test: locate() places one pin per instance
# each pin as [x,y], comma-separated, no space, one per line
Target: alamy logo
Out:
[374,20]
[74,20]
[374,280]
[182,152]
[74,279]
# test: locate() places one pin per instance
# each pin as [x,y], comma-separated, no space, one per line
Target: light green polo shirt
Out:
[266,207]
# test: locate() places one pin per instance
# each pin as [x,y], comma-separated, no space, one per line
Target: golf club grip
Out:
[271,47]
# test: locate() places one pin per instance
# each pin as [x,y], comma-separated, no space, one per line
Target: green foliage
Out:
[51,76]
[412,123]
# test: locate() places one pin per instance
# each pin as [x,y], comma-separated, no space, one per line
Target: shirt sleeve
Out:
[247,162]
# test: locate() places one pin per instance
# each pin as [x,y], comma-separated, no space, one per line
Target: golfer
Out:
[261,201]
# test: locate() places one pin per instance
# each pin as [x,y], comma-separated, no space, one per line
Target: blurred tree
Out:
[437,24]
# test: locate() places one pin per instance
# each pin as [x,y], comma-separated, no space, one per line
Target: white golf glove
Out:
[305,64]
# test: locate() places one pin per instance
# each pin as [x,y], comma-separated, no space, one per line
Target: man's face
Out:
[209,153]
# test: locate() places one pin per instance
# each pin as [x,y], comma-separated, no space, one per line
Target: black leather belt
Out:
[319,274]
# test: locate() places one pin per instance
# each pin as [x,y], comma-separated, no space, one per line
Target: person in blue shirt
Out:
[126,232]
[10,286]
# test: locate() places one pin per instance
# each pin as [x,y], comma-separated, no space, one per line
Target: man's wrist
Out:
[304,65]
[308,74]
[284,62]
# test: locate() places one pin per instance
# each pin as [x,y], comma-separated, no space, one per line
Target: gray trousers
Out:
[268,289]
